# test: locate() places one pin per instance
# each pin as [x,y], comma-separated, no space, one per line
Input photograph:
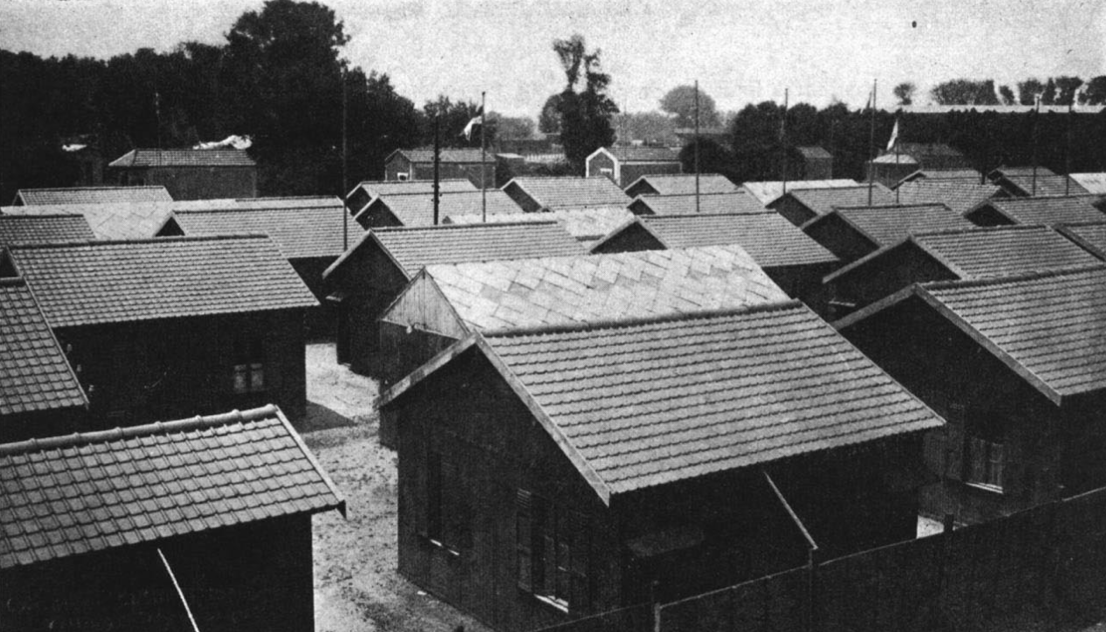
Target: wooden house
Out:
[794,261]
[40,394]
[312,233]
[623,164]
[418,210]
[851,232]
[959,195]
[555,472]
[968,255]
[202,523]
[372,273]
[1039,182]
[445,302]
[769,191]
[800,206]
[453,164]
[894,165]
[533,194]
[890,168]
[815,163]
[91,195]
[1018,368]
[189,174]
[369,190]
[1036,211]
[1091,237]
[18,230]
[174,326]
[690,204]
[588,225]
[967,176]
[124,220]
[679,184]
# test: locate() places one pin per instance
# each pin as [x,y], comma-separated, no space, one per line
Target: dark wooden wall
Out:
[195,183]
[630,172]
[880,277]
[841,238]
[370,282]
[792,210]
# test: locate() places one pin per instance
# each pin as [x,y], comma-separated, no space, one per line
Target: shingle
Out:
[93,195]
[143,158]
[315,230]
[34,372]
[684,204]
[649,403]
[633,154]
[770,239]
[823,201]
[121,281]
[1004,251]
[961,195]
[17,230]
[453,156]
[128,519]
[890,224]
[684,183]
[379,188]
[1092,237]
[1047,211]
[769,191]
[418,210]
[586,225]
[121,220]
[553,193]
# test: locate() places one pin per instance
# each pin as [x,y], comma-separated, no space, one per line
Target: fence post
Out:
[812,590]
[655,606]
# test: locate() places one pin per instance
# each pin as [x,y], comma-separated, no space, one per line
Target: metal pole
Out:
[783,141]
[872,145]
[483,165]
[345,162]
[437,165]
[897,171]
[180,593]
[696,145]
[1036,130]
[1067,148]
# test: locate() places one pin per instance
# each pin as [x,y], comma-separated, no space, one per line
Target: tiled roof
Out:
[888,225]
[278,202]
[732,202]
[966,175]
[93,195]
[120,281]
[1047,211]
[418,210]
[1092,182]
[556,192]
[1091,236]
[80,493]
[643,154]
[132,220]
[769,191]
[1047,185]
[184,158]
[982,253]
[961,195]
[1019,171]
[823,201]
[464,156]
[923,150]
[895,159]
[401,187]
[300,232]
[414,248]
[651,403]
[588,224]
[1052,326]
[17,230]
[684,183]
[814,151]
[561,290]
[34,373]
[769,239]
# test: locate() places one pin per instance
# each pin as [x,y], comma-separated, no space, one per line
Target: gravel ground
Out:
[356,584]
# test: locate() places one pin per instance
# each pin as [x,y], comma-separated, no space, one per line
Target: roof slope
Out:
[16,230]
[684,183]
[1091,236]
[446,155]
[88,492]
[1092,182]
[587,224]
[823,201]
[888,225]
[643,154]
[34,372]
[131,220]
[274,202]
[1047,185]
[770,239]
[418,210]
[415,248]
[684,204]
[184,158]
[769,191]
[120,281]
[376,188]
[650,403]
[555,192]
[961,195]
[314,231]
[1049,211]
[1053,326]
[93,195]
[562,290]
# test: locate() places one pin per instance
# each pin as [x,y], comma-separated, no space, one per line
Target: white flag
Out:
[894,136]
[476,120]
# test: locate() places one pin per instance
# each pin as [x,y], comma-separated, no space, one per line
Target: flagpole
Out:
[896,136]
[437,165]
[1067,148]
[872,144]
[345,163]
[1036,129]
[696,145]
[483,159]
[783,140]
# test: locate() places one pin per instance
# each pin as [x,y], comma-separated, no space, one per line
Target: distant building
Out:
[101,528]
[891,167]
[588,225]
[679,184]
[1030,182]
[802,205]
[817,163]
[1036,211]
[418,164]
[418,210]
[369,190]
[769,191]
[961,195]
[91,195]
[690,204]
[189,174]
[624,164]
[533,194]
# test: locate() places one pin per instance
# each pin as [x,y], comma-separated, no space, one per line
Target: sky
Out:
[740,52]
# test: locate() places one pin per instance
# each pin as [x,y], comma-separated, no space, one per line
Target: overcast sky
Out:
[739,51]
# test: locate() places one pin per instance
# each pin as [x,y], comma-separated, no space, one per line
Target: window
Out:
[551,550]
[248,367]
[403,177]
[447,517]
[985,454]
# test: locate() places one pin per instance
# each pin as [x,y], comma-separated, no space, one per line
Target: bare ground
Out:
[357,587]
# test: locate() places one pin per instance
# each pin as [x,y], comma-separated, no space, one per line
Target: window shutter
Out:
[954,448]
[421,495]
[580,543]
[524,538]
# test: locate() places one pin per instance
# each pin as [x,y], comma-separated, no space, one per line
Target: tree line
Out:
[1062,90]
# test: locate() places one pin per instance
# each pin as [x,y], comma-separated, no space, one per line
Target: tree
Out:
[453,117]
[585,114]
[1048,97]
[549,120]
[965,92]
[1029,90]
[680,102]
[513,127]
[1095,94]
[904,92]
[1066,88]
[1007,95]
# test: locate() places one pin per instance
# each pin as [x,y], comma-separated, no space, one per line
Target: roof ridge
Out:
[39,215]
[254,209]
[13,281]
[158,427]
[408,229]
[850,207]
[1028,276]
[147,240]
[96,188]
[986,229]
[645,320]
[692,216]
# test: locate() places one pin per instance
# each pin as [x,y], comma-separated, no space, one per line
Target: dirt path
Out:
[356,584]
